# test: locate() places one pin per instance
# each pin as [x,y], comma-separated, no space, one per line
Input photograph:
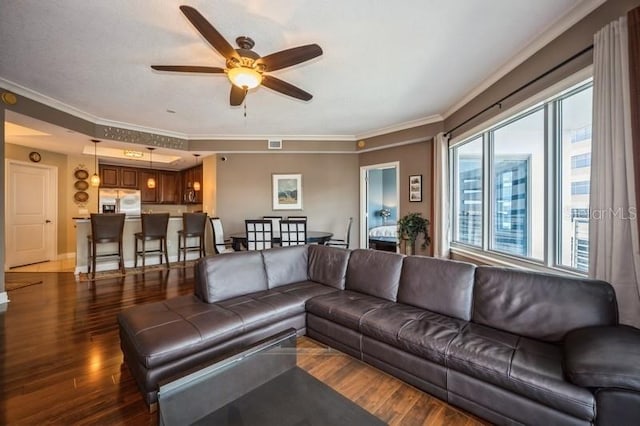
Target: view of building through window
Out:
[517,191]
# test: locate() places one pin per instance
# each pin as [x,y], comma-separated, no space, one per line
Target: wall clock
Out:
[35,156]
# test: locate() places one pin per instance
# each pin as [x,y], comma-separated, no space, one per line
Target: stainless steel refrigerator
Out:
[120,200]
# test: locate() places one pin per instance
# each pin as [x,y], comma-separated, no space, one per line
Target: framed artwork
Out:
[415,188]
[287,192]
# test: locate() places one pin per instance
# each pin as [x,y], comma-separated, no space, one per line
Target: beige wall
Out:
[65,200]
[414,159]
[330,189]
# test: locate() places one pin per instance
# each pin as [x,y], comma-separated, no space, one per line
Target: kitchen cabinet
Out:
[148,195]
[109,176]
[168,185]
[189,176]
[118,177]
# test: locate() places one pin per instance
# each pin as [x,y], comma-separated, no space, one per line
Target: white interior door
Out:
[30,213]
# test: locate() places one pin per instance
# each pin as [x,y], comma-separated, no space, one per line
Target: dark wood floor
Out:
[60,359]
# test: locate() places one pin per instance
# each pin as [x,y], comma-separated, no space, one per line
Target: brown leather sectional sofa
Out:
[510,346]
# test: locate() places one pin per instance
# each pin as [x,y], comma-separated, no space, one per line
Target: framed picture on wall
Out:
[287,192]
[415,188]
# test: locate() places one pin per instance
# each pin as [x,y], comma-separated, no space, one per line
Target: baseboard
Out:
[4,299]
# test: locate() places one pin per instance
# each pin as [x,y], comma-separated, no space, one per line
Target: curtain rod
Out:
[524,86]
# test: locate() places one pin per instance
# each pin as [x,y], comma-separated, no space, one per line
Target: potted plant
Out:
[410,227]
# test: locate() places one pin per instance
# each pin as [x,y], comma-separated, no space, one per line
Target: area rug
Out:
[14,283]
[101,275]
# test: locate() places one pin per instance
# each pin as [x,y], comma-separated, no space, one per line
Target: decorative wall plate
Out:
[81,185]
[81,174]
[81,196]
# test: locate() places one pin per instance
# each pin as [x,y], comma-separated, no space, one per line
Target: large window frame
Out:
[552,252]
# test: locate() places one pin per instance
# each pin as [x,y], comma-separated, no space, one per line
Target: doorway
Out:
[31,207]
[379,205]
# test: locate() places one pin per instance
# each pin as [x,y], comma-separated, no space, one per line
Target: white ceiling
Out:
[385,63]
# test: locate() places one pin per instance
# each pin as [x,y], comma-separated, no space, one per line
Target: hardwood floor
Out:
[60,359]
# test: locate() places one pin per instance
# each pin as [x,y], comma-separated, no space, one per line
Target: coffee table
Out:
[260,385]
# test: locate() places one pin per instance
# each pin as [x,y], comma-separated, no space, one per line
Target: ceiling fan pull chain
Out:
[246,90]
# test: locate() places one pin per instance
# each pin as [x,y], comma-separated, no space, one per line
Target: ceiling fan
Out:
[244,67]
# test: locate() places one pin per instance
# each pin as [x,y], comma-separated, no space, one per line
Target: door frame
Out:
[51,206]
[364,220]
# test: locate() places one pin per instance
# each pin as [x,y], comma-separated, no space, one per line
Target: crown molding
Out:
[400,126]
[393,145]
[301,138]
[569,19]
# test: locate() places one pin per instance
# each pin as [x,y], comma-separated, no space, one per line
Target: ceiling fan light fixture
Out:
[244,78]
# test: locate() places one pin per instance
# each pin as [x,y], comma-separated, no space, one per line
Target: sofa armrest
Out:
[603,357]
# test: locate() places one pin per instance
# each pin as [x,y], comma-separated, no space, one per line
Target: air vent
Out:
[274,144]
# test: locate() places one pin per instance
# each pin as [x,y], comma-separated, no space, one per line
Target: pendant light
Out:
[196,184]
[151,182]
[95,179]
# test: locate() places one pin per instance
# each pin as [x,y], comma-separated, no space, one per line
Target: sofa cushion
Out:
[525,366]
[285,265]
[540,306]
[234,274]
[423,333]
[602,357]
[328,265]
[376,273]
[164,331]
[438,285]
[345,307]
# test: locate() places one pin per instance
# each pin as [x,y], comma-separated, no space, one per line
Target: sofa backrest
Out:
[328,265]
[229,275]
[439,285]
[540,306]
[286,265]
[376,273]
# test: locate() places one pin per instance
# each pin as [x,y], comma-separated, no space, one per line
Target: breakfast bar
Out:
[132,225]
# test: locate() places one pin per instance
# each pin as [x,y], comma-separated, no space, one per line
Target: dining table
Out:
[239,239]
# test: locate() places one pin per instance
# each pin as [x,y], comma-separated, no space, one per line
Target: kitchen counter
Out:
[132,224]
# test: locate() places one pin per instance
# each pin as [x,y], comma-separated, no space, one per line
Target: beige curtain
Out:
[441,226]
[614,249]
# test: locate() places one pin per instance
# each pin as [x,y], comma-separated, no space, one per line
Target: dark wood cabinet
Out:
[128,178]
[189,177]
[171,187]
[148,195]
[109,176]
[118,177]
[168,187]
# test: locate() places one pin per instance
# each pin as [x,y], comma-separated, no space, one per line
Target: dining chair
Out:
[220,245]
[105,228]
[259,234]
[293,232]
[154,228]
[297,218]
[275,225]
[192,227]
[342,243]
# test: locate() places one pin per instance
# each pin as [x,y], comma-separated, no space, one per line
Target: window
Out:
[468,190]
[507,179]
[580,188]
[581,160]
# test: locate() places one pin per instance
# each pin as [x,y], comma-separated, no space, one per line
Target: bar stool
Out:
[105,228]
[154,228]
[192,227]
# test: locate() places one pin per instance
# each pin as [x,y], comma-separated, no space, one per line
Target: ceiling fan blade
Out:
[285,88]
[237,95]
[209,33]
[289,57]
[188,68]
